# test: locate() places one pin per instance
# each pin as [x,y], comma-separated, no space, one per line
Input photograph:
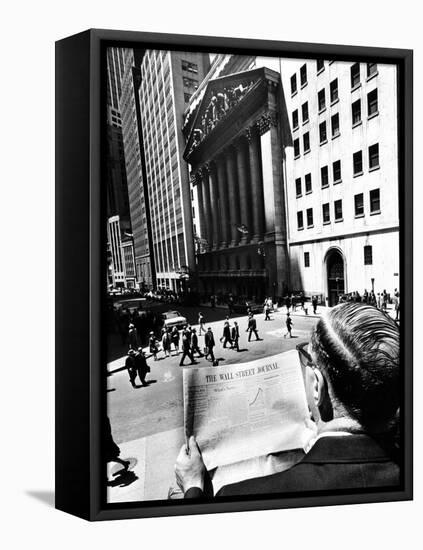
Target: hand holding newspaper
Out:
[246,411]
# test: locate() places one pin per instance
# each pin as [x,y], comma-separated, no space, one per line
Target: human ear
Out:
[320,389]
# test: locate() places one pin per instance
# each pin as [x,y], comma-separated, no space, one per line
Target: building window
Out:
[304,110]
[356,112]
[306,142]
[295,119]
[334,90]
[293,84]
[298,187]
[335,125]
[187,98]
[306,259]
[372,106]
[338,210]
[321,100]
[308,183]
[358,163]
[336,169]
[368,255]
[355,75]
[188,66]
[300,221]
[324,176]
[320,65]
[375,201]
[359,205]
[374,156]
[371,69]
[322,132]
[326,213]
[190,82]
[309,217]
[296,148]
[303,75]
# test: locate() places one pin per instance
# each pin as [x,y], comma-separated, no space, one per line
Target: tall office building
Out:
[168,79]
[342,177]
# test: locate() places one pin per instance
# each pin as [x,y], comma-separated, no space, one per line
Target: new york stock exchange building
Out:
[294,178]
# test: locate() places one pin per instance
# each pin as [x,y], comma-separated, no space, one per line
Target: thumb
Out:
[193,446]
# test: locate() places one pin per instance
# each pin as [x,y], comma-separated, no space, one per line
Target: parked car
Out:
[131,304]
[173,319]
[242,308]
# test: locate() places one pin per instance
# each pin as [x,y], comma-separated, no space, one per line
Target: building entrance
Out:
[335,273]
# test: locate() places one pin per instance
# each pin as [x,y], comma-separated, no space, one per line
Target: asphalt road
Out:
[143,411]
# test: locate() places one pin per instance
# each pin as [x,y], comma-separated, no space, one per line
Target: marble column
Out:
[233,196]
[257,197]
[223,201]
[201,232]
[214,206]
[244,190]
[207,206]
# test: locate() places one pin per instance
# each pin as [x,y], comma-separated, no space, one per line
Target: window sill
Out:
[356,87]
[322,110]
[300,228]
[359,216]
[358,174]
[330,62]
[326,223]
[358,123]
[334,102]
[372,76]
[304,85]
[293,94]
[336,136]
[340,220]
[336,182]
[295,129]
[374,168]
[323,142]
[305,122]
[373,115]
[297,157]
[375,213]
[310,226]
[306,152]
[299,196]
[320,71]
[309,192]
[325,186]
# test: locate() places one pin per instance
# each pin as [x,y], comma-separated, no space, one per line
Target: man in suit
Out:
[252,327]
[209,344]
[351,371]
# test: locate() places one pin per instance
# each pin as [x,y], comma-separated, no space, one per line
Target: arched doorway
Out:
[335,275]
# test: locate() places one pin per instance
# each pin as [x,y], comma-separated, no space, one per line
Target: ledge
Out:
[322,110]
[325,186]
[339,220]
[358,123]
[298,196]
[306,121]
[320,71]
[336,136]
[374,168]
[294,93]
[373,115]
[375,213]
[358,174]
[307,152]
[323,142]
[359,216]
[337,181]
[304,85]
[326,223]
[310,226]
[334,102]
[374,75]
[356,87]
[309,192]
[297,157]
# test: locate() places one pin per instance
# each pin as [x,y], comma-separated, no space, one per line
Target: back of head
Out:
[357,347]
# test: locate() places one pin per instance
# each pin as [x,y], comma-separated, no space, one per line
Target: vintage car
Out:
[173,319]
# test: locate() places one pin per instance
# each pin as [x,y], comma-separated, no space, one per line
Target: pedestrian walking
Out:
[226,336]
[287,303]
[384,300]
[132,337]
[141,367]
[201,323]
[166,342]
[314,304]
[111,449]
[379,300]
[372,299]
[235,336]
[186,350]
[288,324]
[252,327]
[152,342]
[130,367]
[209,344]
[194,344]
[175,339]
[396,304]
[302,300]
[267,312]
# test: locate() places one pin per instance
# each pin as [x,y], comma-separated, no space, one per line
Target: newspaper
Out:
[245,411]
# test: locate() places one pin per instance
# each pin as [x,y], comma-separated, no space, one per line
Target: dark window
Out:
[371,69]
[306,142]
[298,187]
[356,111]
[321,99]
[355,75]
[300,221]
[187,97]
[326,212]
[335,125]
[334,90]
[303,75]
[336,167]
[309,217]
[372,107]
[296,147]
[324,176]
[359,204]
[368,255]
[374,156]
[320,64]
[304,110]
[358,163]
[308,183]
[375,200]
[338,210]
[293,83]
[191,67]
[322,132]
[295,119]
[306,259]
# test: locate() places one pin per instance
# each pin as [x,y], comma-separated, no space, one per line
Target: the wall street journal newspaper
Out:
[245,411]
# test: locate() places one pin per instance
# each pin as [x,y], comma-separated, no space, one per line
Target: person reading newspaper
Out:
[352,380]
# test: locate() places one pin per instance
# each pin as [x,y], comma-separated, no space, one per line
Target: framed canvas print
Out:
[234,274]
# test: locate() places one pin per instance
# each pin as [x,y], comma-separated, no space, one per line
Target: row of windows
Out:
[374,201]
[367,256]
[372,110]
[355,73]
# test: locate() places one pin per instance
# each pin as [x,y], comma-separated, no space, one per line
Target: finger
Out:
[182,453]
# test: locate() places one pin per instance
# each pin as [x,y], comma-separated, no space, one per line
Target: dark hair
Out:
[357,347]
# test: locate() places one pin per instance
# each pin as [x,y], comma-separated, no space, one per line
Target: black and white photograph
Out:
[252,276]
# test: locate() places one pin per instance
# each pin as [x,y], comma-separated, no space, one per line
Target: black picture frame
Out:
[80,265]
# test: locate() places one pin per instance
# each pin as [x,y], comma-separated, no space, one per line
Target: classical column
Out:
[201,231]
[233,196]
[223,201]
[214,206]
[207,206]
[244,189]
[257,198]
